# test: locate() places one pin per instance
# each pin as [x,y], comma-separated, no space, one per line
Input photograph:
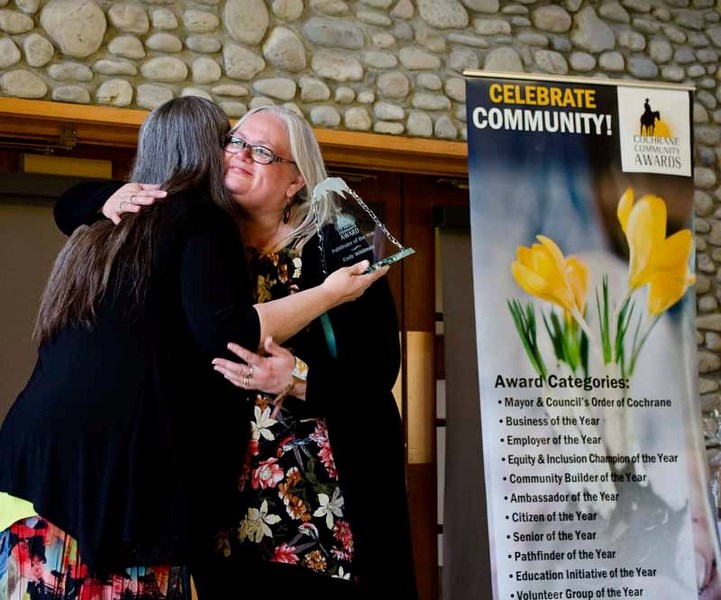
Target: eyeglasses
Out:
[258,154]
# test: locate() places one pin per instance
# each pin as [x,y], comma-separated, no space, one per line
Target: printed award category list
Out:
[568,483]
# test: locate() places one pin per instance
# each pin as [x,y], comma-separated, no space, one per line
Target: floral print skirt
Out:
[292,500]
[38,561]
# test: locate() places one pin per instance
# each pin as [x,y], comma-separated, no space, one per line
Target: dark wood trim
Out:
[66,125]
[393,153]
[422,487]
[419,317]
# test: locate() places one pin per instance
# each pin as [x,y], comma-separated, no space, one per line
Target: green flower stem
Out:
[637,345]
[587,330]
[603,322]
[525,322]
[621,305]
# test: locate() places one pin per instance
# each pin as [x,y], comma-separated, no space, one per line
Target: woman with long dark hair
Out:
[111,463]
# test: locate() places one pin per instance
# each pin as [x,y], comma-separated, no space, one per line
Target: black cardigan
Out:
[112,438]
[353,391]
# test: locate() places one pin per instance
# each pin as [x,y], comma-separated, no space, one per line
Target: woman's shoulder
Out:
[197,211]
[187,217]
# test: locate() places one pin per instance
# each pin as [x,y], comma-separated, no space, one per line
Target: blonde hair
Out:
[307,157]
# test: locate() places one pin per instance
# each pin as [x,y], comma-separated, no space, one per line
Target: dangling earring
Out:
[286,213]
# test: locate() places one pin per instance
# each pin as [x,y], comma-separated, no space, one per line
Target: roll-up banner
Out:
[581,197]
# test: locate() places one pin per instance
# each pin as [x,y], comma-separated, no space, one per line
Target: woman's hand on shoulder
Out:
[349,283]
[132,198]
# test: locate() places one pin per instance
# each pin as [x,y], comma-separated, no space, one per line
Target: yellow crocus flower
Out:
[660,262]
[672,277]
[544,272]
[623,209]
[578,281]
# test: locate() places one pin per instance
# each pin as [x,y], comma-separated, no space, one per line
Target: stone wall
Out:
[386,66]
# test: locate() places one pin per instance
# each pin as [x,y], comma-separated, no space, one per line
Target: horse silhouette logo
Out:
[648,119]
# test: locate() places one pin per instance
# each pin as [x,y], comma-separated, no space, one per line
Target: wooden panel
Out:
[9,161]
[422,195]
[420,386]
[422,486]
[67,124]
[91,168]
[121,159]
[419,322]
[36,119]
[419,284]
[393,153]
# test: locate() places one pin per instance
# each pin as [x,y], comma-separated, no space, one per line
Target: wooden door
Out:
[409,204]
[422,198]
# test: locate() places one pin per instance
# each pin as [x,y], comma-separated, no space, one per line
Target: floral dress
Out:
[294,506]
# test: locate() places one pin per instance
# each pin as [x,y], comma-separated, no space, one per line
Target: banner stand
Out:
[581,214]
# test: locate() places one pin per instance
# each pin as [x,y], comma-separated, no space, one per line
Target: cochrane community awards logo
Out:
[655,145]
[655,134]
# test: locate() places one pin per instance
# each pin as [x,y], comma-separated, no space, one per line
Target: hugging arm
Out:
[82,204]
[215,288]
[215,291]
[284,317]
[90,201]
[217,296]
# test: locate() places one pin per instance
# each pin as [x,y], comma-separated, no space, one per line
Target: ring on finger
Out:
[250,372]
[132,199]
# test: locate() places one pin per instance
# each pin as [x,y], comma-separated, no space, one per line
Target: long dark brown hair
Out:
[180,148]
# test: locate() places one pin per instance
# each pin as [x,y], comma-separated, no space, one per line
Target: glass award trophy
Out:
[349,231]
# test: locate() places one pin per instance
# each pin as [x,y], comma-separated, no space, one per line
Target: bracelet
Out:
[300,369]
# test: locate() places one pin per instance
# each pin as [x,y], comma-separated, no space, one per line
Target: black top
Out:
[353,391]
[112,439]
